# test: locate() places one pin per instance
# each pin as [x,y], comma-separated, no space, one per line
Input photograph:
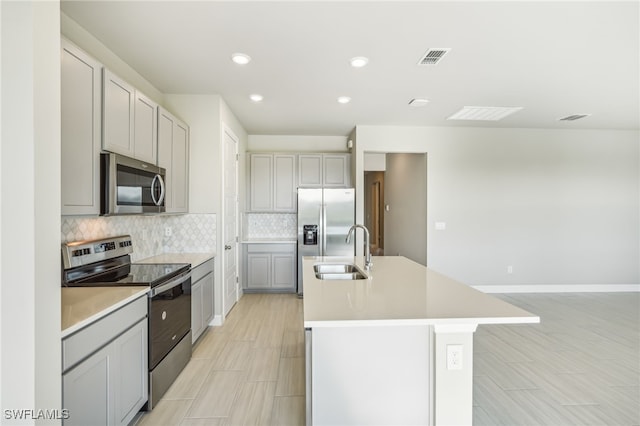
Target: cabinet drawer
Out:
[200,271]
[271,248]
[91,338]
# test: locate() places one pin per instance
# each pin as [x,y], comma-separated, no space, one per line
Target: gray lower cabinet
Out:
[201,298]
[270,268]
[105,374]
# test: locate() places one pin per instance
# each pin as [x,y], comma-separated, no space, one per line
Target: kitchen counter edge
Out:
[95,303]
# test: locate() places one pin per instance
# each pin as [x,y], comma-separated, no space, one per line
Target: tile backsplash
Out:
[270,226]
[190,233]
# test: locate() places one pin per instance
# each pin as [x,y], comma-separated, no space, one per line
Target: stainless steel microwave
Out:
[130,186]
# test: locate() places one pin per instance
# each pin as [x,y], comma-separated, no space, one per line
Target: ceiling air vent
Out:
[418,102]
[433,56]
[574,117]
[483,113]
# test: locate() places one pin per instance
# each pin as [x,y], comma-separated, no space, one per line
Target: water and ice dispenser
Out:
[310,235]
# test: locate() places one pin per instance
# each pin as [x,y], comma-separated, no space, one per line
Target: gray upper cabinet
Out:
[261,182]
[336,170]
[118,115]
[310,170]
[173,155]
[284,183]
[129,120]
[272,183]
[145,129]
[81,97]
[324,170]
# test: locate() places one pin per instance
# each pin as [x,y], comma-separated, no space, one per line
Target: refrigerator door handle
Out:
[324,229]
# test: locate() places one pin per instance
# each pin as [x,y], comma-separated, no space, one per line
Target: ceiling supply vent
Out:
[433,56]
[480,113]
[418,102]
[574,117]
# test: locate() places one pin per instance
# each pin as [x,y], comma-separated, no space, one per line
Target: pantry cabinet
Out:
[201,298]
[129,120]
[105,374]
[272,183]
[270,267]
[81,123]
[173,155]
[324,170]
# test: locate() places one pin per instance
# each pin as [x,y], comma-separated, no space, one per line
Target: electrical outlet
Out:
[454,357]
[168,231]
[509,269]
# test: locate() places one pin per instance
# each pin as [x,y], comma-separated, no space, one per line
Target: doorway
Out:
[374,210]
[230,291]
[395,204]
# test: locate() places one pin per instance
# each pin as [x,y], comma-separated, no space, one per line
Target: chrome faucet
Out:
[367,253]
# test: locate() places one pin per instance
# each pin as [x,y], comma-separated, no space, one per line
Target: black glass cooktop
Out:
[115,273]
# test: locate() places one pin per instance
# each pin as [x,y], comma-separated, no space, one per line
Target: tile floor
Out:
[580,366]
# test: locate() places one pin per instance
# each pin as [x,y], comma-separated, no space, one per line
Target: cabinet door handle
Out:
[227,247]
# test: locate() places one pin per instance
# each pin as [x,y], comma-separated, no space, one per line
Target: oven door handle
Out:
[168,286]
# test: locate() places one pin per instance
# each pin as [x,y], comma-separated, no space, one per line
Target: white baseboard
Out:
[216,321]
[559,288]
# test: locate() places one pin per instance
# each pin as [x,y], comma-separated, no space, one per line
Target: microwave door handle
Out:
[157,178]
[162,190]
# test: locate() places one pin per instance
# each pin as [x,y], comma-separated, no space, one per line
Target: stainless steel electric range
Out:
[107,262]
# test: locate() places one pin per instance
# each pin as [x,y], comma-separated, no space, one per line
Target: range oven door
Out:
[169,317]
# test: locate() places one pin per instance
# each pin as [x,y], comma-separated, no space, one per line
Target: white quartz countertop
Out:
[269,241]
[83,305]
[399,291]
[195,259]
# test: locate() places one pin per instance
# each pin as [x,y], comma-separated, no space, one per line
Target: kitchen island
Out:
[395,347]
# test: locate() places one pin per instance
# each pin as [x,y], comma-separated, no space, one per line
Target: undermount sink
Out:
[341,271]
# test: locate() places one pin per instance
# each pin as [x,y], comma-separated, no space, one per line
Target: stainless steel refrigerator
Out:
[324,218]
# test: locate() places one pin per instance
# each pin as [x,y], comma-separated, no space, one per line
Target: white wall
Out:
[30,369]
[207,115]
[560,206]
[297,143]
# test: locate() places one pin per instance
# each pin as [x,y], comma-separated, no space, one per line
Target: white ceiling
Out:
[552,58]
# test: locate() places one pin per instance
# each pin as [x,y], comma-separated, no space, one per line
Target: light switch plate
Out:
[441,226]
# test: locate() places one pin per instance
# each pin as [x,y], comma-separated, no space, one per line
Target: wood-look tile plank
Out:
[188,383]
[211,421]
[264,365]
[293,344]
[236,355]
[166,412]
[211,345]
[291,379]
[217,394]
[253,406]
[288,411]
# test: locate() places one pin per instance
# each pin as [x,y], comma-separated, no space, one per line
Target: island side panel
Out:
[453,381]
[370,375]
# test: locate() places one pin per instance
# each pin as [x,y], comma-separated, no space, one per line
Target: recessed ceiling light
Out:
[480,113]
[241,58]
[359,61]
[418,102]
[256,97]
[344,99]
